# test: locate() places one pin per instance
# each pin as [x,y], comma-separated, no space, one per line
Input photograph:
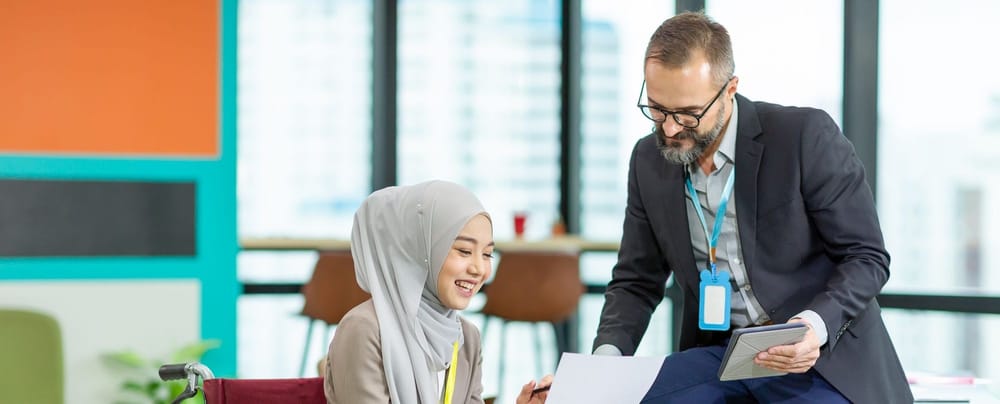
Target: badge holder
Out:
[714,290]
[713,301]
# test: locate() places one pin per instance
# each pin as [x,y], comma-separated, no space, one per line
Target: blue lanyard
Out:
[720,216]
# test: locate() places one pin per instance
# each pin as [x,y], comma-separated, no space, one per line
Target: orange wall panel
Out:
[109,77]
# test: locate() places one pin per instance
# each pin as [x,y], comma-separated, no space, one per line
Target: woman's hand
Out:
[529,395]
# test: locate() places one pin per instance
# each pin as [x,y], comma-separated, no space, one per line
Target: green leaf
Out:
[128,358]
[152,386]
[199,399]
[135,386]
[175,389]
[193,352]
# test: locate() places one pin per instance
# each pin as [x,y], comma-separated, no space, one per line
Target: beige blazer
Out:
[354,373]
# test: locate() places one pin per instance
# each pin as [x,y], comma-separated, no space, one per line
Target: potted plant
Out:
[142,383]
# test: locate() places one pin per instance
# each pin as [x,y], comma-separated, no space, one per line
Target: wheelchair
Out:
[308,390]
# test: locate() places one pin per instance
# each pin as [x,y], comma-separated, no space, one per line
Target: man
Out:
[799,237]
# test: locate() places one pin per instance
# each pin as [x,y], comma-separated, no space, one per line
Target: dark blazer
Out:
[810,239]
[354,372]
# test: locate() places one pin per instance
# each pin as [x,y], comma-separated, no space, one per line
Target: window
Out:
[937,172]
[937,178]
[479,103]
[613,53]
[787,52]
[304,108]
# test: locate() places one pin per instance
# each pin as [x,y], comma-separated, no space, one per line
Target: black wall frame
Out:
[384,107]
[860,102]
[571,115]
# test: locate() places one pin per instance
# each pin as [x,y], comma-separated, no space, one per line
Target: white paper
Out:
[602,379]
[947,393]
[715,305]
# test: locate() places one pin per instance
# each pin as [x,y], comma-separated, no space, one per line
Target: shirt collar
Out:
[727,149]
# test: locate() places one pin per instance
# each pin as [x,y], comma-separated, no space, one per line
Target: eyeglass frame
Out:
[666,112]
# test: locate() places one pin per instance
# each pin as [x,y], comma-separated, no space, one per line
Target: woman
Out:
[422,252]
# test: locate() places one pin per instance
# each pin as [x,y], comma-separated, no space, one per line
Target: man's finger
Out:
[785,362]
[780,356]
[783,350]
[782,367]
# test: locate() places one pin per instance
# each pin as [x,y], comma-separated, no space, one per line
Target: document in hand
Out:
[746,343]
[583,379]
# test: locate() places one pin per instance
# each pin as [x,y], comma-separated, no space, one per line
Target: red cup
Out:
[519,219]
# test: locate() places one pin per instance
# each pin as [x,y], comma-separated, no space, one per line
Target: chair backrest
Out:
[332,290]
[535,286]
[31,358]
[264,391]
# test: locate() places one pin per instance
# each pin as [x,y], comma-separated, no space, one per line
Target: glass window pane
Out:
[479,103]
[935,203]
[270,331]
[614,47]
[613,53]
[656,342]
[272,337]
[787,52]
[275,266]
[304,103]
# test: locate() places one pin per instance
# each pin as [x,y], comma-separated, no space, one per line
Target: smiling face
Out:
[468,264]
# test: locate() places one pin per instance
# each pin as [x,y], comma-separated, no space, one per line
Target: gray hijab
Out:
[400,239]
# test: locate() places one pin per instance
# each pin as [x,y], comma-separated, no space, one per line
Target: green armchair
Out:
[31,358]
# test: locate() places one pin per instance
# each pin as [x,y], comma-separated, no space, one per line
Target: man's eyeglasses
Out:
[685,119]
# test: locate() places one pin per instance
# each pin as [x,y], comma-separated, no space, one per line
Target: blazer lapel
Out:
[676,224]
[748,156]
[462,375]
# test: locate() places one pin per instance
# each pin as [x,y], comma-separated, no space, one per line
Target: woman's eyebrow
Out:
[472,240]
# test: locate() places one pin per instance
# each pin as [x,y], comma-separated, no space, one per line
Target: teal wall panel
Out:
[214,266]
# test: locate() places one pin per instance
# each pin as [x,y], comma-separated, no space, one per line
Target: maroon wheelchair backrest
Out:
[264,391]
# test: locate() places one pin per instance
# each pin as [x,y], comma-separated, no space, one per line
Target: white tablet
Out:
[746,343]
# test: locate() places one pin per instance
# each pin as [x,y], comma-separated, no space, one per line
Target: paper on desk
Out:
[582,379]
[953,393]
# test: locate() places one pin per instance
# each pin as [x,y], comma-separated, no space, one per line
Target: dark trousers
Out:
[692,376]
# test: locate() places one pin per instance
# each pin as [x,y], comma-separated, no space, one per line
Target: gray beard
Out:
[673,153]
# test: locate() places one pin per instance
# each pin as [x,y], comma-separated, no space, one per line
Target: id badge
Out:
[713,301]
